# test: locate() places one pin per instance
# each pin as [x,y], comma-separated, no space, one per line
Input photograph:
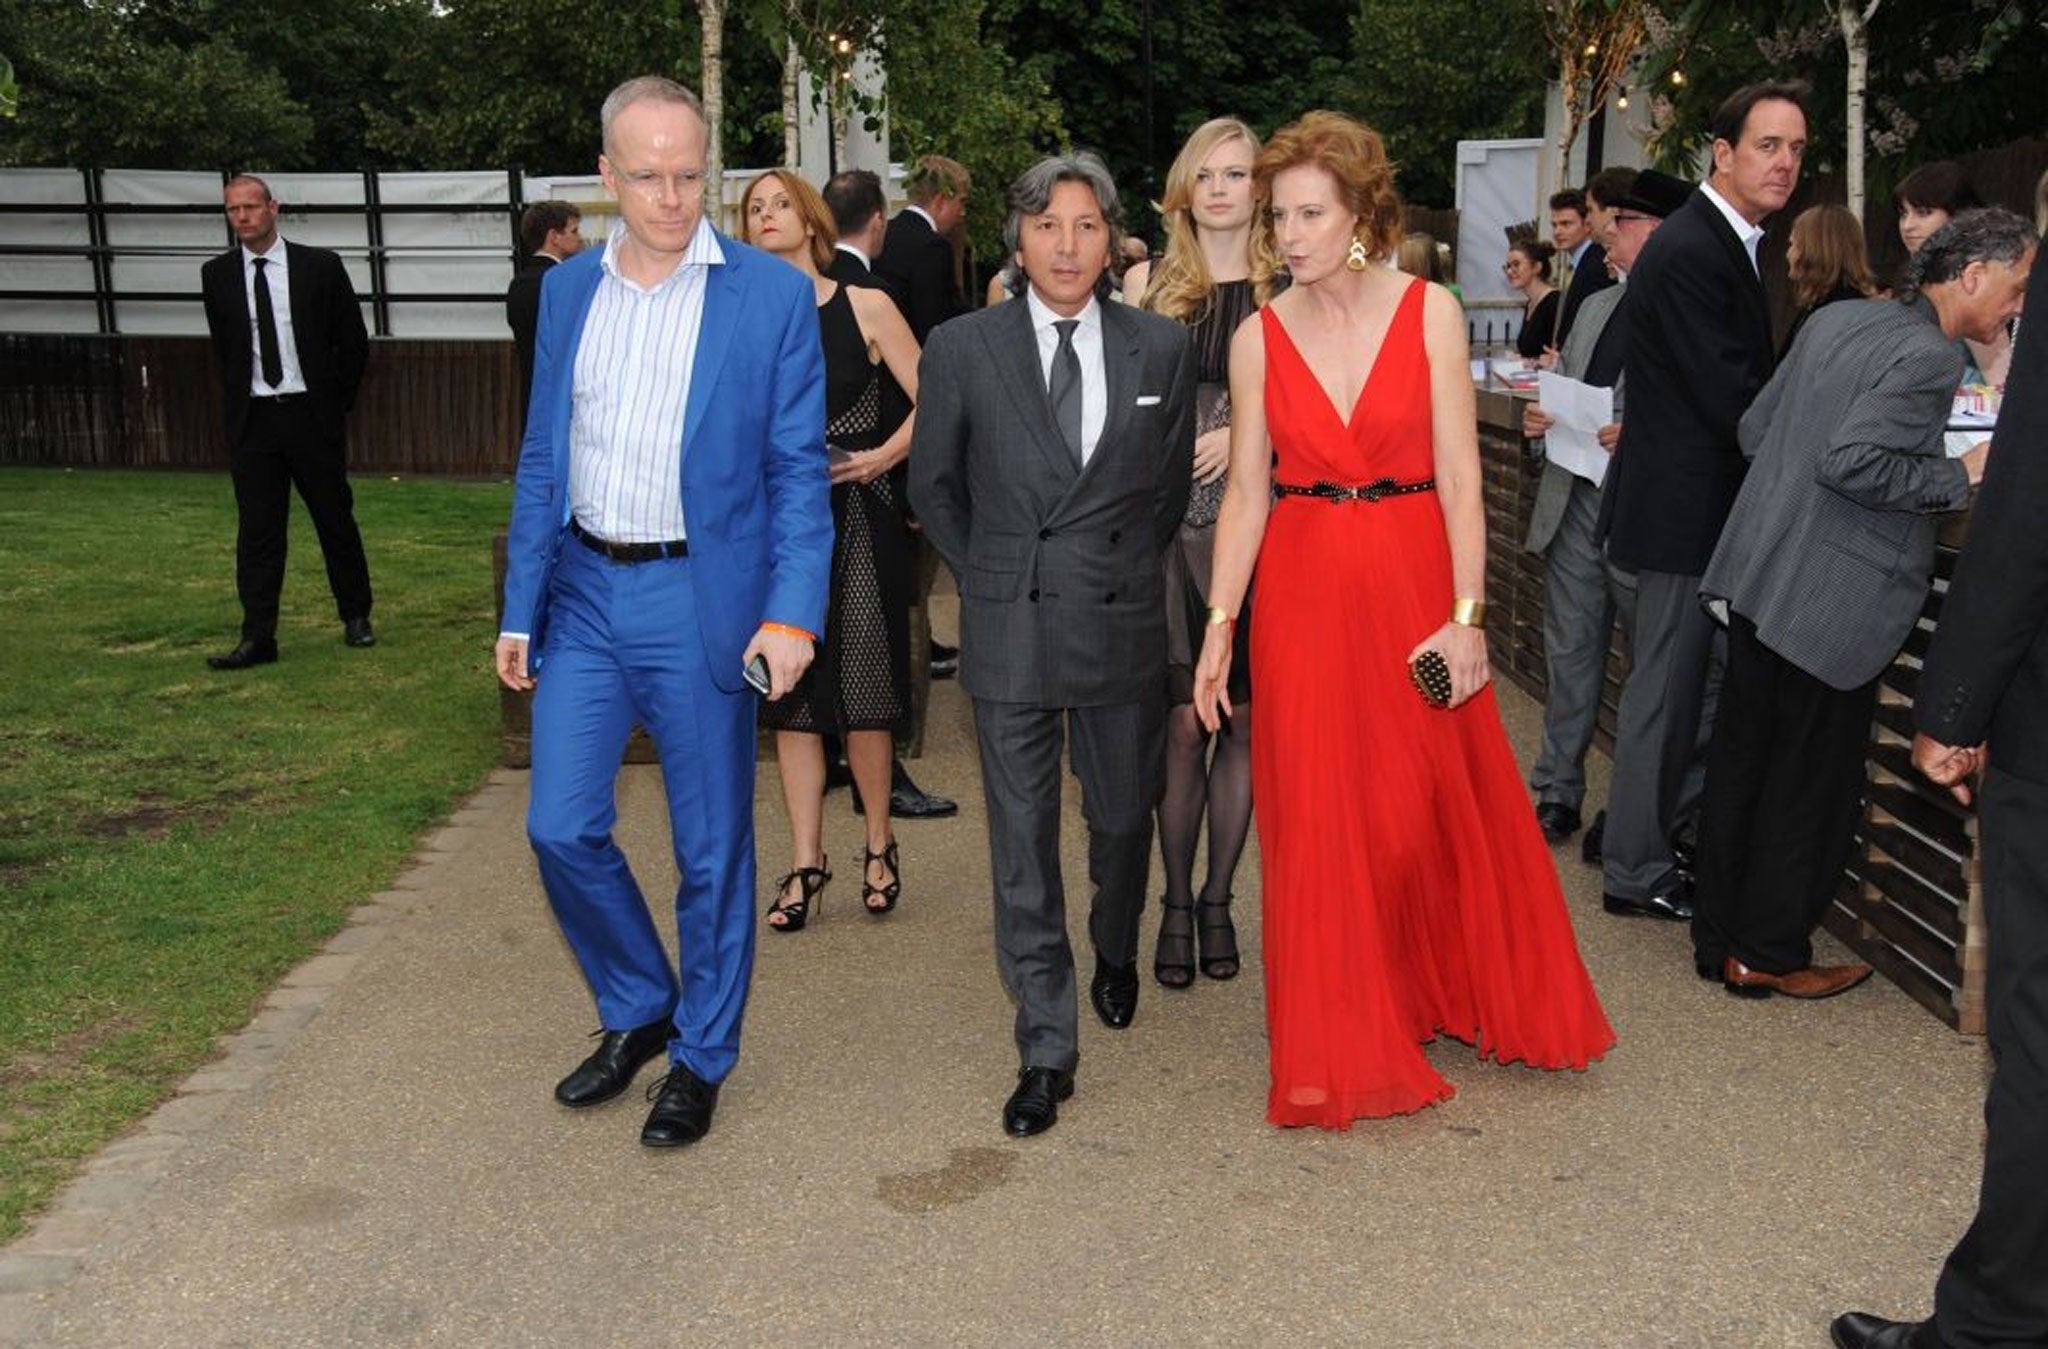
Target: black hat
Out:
[1653,193]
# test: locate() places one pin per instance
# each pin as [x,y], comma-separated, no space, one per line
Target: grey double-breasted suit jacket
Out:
[1061,590]
[1830,545]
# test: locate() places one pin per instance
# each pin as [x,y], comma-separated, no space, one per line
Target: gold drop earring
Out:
[1357,259]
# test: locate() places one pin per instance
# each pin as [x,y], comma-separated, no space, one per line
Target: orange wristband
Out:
[788,631]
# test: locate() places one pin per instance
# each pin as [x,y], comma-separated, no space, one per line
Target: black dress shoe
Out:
[1034,1106]
[356,632]
[1596,834]
[245,655]
[837,774]
[1709,970]
[1114,991]
[909,802]
[683,1103]
[1675,907]
[1559,821]
[620,1055]
[1860,1330]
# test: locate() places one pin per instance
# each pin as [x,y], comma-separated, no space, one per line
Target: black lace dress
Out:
[860,680]
[1192,554]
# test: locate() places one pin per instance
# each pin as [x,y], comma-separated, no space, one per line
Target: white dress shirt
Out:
[859,256]
[1750,235]
[1087,347]
[277,276]
[632,390]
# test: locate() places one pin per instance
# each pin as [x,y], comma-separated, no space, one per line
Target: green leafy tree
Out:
[10,101]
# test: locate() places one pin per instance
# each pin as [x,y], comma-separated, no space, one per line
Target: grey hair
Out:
[1991,234]
[644,89]
[1032,193]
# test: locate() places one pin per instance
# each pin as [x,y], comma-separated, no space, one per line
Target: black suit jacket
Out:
[918,261]
[1986,676]
[1589,277]
[1699,349]
[327,329]
[522,312]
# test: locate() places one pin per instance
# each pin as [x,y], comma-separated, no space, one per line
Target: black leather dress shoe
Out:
[1559,821]
[1675,907]
[683,1103]
[1034,1106]
[1590,846]
[1860,1330]
[610,1070]
[1710,970]
[357,632]
[245,655]
[1114,992]
[907,801]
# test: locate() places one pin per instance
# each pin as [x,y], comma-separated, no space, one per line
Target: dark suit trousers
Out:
[1784,789]
[1993,1290]
[284,445]
[1119,754]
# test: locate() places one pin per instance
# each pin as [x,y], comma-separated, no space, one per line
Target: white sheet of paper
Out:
[1578,411]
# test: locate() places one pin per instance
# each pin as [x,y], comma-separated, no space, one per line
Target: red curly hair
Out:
[1352,154]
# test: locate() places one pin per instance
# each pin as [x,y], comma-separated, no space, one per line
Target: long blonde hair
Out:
[1180,286]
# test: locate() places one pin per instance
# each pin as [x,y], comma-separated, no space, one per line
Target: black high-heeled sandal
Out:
[889,892]
[810,883]
[1218,938]
[1176,937]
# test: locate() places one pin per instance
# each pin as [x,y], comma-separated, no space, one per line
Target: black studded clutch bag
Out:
[1432,678]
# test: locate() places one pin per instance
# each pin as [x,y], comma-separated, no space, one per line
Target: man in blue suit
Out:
[671,523]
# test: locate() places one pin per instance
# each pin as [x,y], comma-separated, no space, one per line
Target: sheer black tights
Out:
[1199,782]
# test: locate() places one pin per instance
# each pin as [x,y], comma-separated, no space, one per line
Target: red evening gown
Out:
[1408,891]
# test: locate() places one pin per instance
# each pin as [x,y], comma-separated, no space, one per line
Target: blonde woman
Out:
[1204,280]
[859,685]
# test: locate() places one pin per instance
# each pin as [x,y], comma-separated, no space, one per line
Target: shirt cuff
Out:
[520,636]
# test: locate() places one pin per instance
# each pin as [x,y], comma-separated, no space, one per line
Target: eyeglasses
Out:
[657,187]
[1630,217]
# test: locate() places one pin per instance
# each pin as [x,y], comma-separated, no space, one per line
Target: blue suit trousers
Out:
[623,645]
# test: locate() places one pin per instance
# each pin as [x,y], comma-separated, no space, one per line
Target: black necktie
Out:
[266,330]
[1065,387]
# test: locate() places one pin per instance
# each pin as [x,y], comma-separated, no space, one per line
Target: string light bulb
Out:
[1592,49]
[1621,101]
[1678,79]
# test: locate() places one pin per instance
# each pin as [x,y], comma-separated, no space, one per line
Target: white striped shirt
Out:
[632,389]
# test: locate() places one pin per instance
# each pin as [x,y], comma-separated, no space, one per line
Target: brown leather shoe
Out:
[1815,981]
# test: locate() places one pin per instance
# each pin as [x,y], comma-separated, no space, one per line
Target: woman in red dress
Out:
[1408,892]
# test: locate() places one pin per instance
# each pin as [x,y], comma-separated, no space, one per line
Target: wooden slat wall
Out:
[1910,899]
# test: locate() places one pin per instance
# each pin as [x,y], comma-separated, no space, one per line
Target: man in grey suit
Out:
[1824,566]
[1581,592]
[1050,467]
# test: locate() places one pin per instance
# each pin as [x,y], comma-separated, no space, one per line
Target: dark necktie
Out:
[266,330]
[1065,387]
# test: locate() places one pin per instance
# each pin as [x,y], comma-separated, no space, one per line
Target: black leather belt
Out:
[630,552]
[1372,491]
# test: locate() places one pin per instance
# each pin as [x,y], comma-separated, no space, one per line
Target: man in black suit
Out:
[1985,687]
[917,252]
[1699,349]
[289,340]
[1572,231]
[549,232]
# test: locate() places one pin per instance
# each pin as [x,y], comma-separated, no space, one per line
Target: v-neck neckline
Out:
[1344,420]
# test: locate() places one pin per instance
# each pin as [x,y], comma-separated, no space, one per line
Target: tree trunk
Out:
[1855,21]
[792,145]
[712,15]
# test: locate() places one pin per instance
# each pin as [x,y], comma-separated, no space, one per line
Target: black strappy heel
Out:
[1218,936]
[889,892]
[1176,937]
[796,912]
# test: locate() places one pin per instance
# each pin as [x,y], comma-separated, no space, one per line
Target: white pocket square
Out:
[1146,400]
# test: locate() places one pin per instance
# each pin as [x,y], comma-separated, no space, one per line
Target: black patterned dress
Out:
[860,680]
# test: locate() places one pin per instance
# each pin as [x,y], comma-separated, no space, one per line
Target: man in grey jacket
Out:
[1050,467]
[1824,565]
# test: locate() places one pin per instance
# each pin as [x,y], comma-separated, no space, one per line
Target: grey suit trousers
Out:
[1661,733]
[1581,596]
[1119,755]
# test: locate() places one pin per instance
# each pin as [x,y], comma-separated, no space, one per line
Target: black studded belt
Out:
[629,552]
[1372,491]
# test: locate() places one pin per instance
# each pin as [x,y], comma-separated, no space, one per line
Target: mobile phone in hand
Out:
[756,674]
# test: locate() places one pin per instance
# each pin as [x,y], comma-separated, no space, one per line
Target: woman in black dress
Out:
[1203,280]
[1528,271]
[859,685]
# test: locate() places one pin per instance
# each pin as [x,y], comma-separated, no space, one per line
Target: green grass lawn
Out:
[172,839]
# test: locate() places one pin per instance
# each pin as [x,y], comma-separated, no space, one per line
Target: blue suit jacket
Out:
[755,489]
